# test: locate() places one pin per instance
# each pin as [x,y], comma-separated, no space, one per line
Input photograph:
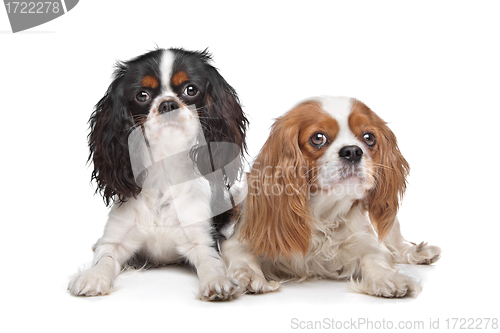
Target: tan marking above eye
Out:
[150,82]
[362,120]
[358,122]
[179,78]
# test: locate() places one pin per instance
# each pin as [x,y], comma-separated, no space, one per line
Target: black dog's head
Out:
[156,83]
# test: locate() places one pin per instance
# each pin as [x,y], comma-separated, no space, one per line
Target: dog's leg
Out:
[195,243]
[410,253]
[120,241]
[380,277]
[244,266]
[376,272]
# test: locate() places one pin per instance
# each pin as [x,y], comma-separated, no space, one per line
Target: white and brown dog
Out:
[322,195]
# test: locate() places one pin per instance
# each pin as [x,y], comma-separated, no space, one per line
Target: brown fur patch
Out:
[313,120]
[179,78]
[382,201]
[150,82]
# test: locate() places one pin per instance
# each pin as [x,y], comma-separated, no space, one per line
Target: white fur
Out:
[343,243]
[167,223]
[410,253]
[166,65]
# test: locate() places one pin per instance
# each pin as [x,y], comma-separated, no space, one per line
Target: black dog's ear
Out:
[223,121]
[110,125]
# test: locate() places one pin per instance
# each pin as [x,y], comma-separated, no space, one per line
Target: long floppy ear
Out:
[224,128]
[277,222]
[223,121]
[390,182]
[110,125]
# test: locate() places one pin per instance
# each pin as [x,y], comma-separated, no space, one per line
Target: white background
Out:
[429,68]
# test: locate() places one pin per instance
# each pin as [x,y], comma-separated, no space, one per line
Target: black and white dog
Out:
[166,142]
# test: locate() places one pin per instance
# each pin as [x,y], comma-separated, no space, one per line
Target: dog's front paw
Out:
[219,288]
[92,282]
[423,254]
[392,286]
[253,283]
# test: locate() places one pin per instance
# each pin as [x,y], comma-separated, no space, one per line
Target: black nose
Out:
[167,106]
[351,153]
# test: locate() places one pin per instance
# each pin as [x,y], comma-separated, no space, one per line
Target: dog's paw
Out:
[91,282]
[219,288]
[423,254]
[252,282]
[392,286]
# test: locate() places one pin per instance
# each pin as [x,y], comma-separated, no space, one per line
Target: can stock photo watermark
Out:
[365,323]
[24,15]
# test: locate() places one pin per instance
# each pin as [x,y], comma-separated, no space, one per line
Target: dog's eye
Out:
[191,91]
[318,140]
[142,97]
[369,139]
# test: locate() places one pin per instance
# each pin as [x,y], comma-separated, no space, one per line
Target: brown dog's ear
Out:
[390,181]
[277,222]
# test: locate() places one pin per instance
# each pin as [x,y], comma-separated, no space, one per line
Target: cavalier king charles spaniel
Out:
[166,142]
[322,199]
